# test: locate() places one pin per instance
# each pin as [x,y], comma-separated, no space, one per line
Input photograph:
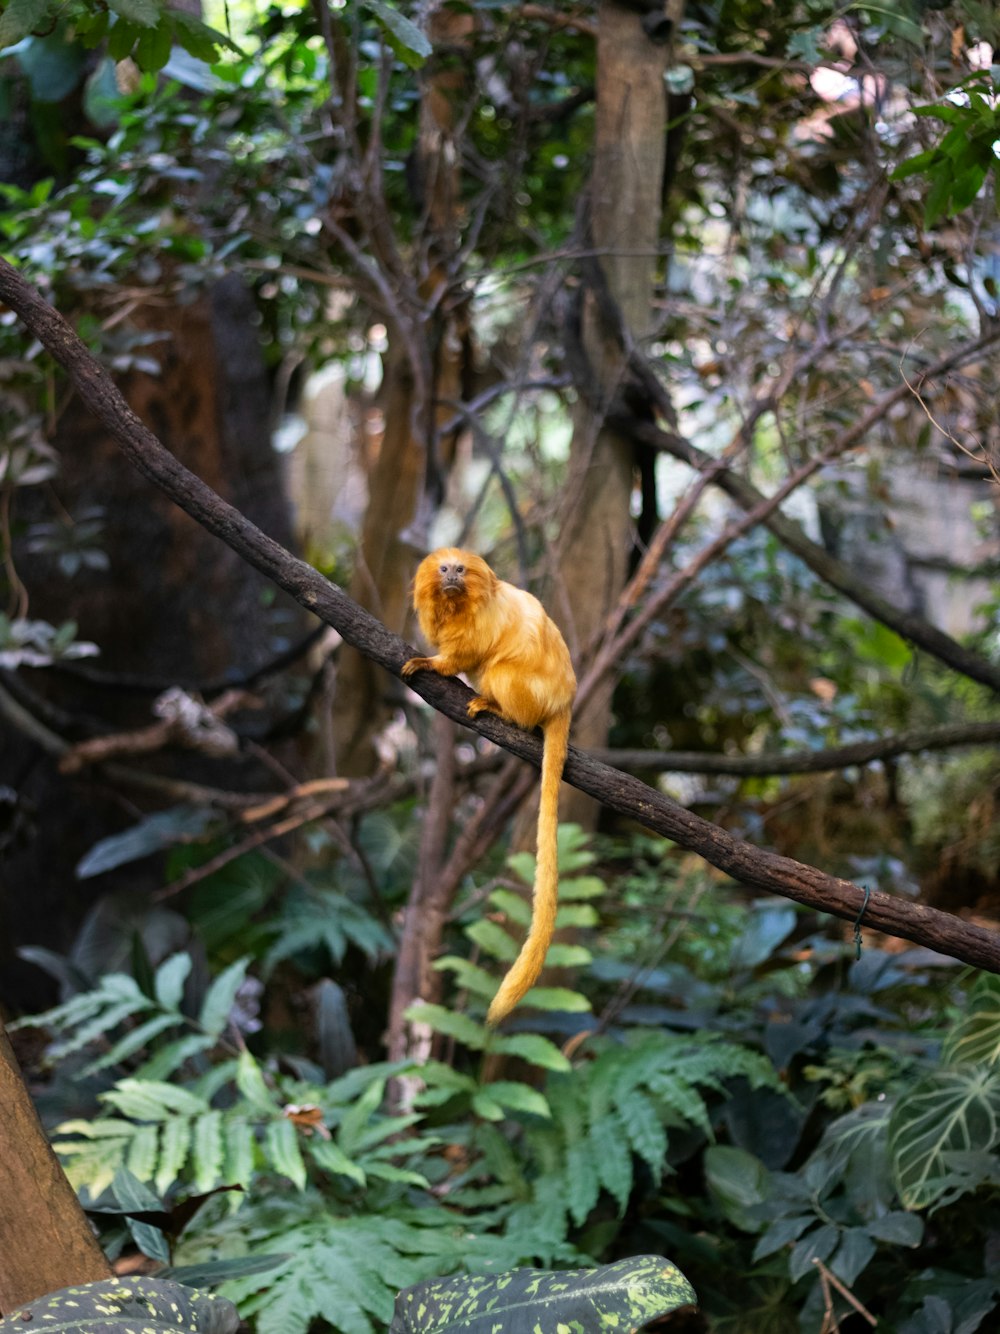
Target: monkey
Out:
[520,667]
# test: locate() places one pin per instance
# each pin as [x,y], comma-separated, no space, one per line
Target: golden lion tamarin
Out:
[520,667]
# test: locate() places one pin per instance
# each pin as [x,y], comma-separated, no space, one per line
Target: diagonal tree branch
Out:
[832,571]
[752,866]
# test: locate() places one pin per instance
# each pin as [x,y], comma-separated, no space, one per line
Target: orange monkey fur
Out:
[520,667]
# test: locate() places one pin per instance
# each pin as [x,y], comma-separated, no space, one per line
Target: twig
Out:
[827,1277]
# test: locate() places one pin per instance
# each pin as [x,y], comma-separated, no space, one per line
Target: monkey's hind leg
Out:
[481,704]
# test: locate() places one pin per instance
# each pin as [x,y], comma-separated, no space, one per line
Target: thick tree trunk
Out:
[625,211]
[45,1240]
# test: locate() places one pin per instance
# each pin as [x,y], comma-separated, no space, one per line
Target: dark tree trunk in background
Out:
[625,208]
[176,606]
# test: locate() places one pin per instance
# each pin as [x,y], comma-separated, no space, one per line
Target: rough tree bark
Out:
[625,207]
[45,1240]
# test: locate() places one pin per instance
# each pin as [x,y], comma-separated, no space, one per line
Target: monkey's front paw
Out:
[414,665]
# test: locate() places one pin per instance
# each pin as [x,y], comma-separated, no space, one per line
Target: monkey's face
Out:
[455,575]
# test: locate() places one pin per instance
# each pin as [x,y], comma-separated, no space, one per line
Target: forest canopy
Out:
[685,317]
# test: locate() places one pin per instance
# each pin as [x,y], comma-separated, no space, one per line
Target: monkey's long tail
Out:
[527,966]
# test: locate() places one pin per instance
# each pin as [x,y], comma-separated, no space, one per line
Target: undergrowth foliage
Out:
[762,1107]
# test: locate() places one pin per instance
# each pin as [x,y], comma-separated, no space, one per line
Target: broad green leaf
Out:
[621,1296]
[765,927]
[898,1228]
[975,1039]
[150,1304]
[406,39]
[21,17]
[143,13]
[156,832]
[817,1245]
[853,1254]
[951,1111]
[782,1233]
[152,50]
[737,1180]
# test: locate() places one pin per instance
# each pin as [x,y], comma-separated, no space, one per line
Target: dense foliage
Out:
[804,1119]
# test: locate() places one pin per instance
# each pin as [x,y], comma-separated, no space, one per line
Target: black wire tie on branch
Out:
[857,922]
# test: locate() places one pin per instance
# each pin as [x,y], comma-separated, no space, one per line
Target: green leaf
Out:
[562,955]
[218,1003]
[898,1228]
[22,17]
[331,1158]
[554,998]
[121,39]
[134,1040]
[406,39]
[493,940]
[251,1083]
[143,13]
[853,1254]
[198,39]
[782,1233]
[207,1150]
[531,1047]
[621,1296]
[738,1181]
[170,978]
[175,1145]
[517,1097]
[210,1272]
[54,68]
[449,1024]
[178,825]
[152,50]
[148,1304]
[975,1039]
[281,1145]
[950,1111]
[147,1100]
[818,1245]
[764,929]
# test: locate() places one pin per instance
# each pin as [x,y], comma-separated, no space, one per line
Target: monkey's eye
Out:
[443,569]
[459,569]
